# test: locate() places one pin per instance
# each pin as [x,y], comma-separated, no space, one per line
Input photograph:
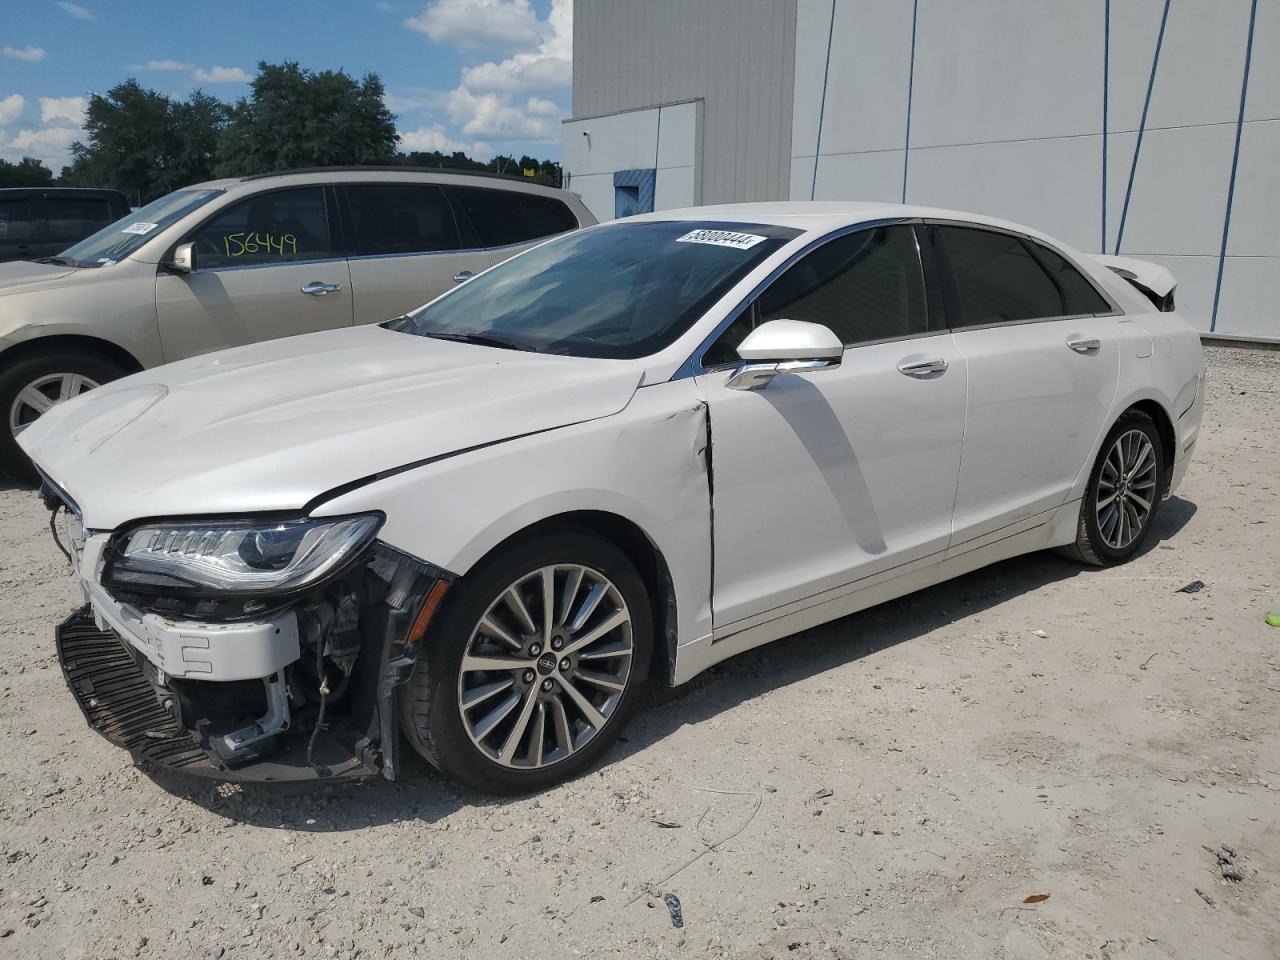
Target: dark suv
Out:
[43,221]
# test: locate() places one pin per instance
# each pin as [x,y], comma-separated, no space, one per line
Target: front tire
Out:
[36,383]
[535,666]
[1126,485]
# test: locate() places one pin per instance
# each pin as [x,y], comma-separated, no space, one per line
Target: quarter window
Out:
[1081,296]
[278,227]
[864,286]
[503,217]
[401,218]
[997,279]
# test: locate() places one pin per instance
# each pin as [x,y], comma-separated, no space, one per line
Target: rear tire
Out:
[558,720]
[1121,503]
[39,380]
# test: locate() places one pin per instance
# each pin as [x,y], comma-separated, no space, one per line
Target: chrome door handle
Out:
[317,289]
[923,368]
[1084,344]
[463,276]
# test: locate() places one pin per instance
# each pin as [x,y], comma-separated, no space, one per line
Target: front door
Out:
[265,268]
[825,478]
[1043,371]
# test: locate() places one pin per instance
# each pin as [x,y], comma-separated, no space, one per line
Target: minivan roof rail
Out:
[394,168]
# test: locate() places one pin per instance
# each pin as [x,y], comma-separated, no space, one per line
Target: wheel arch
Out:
[1164,426]
[640,548]
[73,341]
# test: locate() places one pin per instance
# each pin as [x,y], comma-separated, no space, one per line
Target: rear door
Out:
[508,222]
[406,247]
[266,267]
[1043,369]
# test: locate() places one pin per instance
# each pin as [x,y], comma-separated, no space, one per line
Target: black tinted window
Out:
[274,227]
[401,218]
[1080,294]
[997,279]
[864,286]
[72,218]
[15,220]
[503,217]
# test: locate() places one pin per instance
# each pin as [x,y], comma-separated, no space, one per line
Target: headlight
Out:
[235,557]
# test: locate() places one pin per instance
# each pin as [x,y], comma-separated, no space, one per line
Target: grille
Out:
[116,698]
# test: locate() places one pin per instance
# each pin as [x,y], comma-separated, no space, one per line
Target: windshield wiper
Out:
[59,261]
[482,340]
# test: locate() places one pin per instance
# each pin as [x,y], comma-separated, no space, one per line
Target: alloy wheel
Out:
[546,666]
[38,397]
[1126,489]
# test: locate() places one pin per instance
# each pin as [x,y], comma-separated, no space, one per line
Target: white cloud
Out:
[494,116]
[11,108]
[49,144]
[493,99]
[165,65]
[70,109]
[30,54]
[505,24]
[75,10]
[220,75]
[435,137]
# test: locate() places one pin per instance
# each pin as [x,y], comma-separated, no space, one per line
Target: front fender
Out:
[645,464]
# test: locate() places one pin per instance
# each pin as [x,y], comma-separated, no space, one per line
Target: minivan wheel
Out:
[1123,498]
[36,383]
[535,664]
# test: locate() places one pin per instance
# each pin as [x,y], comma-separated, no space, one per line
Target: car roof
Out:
[378,174]
[822,216]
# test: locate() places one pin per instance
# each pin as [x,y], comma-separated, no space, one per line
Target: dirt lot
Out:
[896,783]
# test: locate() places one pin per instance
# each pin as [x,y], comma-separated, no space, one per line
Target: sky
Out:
[482,76]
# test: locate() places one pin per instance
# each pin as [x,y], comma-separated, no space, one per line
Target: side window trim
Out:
[952,291]
[694,365]
[1035,246]
[334,254]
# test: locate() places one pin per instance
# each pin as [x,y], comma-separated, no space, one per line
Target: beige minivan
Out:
[231,262]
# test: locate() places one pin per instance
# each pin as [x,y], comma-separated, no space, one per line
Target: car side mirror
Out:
[784,346]
[183,259]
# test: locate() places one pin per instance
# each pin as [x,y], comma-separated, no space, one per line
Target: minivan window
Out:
[393,218]
[69,218]
[279,226]
[620,290]
[504,217]
[997,280]
[118,240]
[15,220]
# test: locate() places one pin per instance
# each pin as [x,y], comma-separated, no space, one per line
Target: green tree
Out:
[298,118]
[145,143]
[27,172]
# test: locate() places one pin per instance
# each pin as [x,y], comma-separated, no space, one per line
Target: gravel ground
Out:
[898,782]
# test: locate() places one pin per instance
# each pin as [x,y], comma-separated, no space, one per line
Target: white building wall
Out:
[664,138]
[1006,118]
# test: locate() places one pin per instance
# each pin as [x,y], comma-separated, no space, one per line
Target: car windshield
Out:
[118,240]
[619,290]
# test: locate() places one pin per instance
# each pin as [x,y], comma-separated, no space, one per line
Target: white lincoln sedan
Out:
[626,454]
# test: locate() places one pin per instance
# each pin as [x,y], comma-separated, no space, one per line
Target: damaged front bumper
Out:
[305,693]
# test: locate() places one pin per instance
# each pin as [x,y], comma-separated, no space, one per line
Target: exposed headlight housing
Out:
[248,558]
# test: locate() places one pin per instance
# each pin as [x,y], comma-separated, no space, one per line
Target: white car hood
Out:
[272,426]
[20,275]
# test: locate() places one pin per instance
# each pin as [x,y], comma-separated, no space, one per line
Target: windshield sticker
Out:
[141,228]
[721,238]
